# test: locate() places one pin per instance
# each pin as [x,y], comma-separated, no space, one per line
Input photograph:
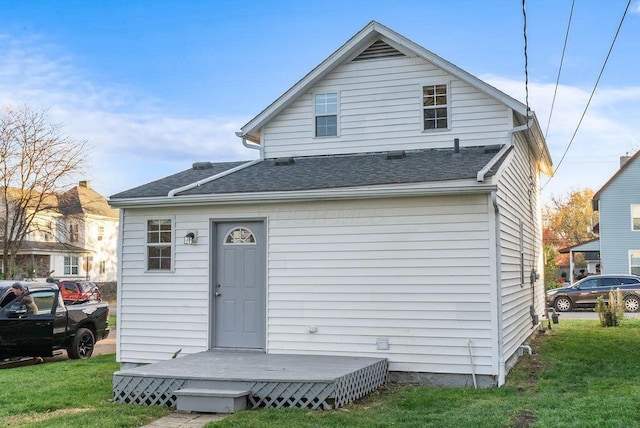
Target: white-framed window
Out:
[326,114]
[635,217]
[100,233]
[634,262]
[159,244]
[102,266]
[71,265]
[435,106]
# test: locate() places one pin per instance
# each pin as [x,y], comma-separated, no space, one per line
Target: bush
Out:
[611,313]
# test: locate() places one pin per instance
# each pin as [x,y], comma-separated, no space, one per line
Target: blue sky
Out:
[154,86]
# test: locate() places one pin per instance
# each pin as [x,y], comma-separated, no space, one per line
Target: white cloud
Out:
[130,142]
[610,129]
[636,8]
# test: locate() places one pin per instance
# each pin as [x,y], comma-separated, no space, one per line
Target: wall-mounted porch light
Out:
[191,238]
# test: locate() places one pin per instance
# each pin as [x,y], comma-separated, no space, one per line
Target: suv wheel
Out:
[631,304]
[562,304]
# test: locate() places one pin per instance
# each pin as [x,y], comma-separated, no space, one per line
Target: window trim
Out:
[316,115]
[71,265]
[631,209]
[171,245]
[631,266]
[424,84]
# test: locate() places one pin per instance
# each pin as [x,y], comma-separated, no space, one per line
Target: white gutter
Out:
[199,183]
[413,189]
[250,145]
[503,150]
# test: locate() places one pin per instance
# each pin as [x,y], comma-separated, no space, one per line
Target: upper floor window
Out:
[73,233]
[326,114]
[159,241]
[100,233]
[635,217]
[435,106]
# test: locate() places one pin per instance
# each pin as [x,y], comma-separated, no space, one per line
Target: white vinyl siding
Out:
[413,270]
[520,242]
[381,109]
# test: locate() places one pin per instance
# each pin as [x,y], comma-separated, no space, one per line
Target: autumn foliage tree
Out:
[567,221]
[36,162]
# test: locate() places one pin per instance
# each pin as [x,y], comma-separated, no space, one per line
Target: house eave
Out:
[367,192]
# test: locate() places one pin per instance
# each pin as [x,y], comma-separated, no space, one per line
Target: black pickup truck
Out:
[46,324]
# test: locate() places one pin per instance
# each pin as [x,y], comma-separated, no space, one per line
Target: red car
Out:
[79,291]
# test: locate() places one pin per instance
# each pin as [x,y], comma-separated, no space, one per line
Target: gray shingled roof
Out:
[326,172]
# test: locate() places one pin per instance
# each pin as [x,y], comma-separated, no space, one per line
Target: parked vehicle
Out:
[79,291]
[585,293]
[37,331]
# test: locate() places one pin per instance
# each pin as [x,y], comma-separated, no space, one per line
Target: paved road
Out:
[589,314]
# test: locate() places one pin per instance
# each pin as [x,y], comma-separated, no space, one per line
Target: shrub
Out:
[611,313]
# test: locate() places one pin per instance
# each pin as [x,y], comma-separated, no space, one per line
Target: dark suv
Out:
[585,293]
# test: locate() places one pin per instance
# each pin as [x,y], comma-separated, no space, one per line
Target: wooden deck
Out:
[274,380]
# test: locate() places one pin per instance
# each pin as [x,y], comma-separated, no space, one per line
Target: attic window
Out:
[435,106]
[635,217]
[326,114]
[379,50]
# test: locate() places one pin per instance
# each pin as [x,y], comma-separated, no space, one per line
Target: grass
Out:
[581,375]
[68,393]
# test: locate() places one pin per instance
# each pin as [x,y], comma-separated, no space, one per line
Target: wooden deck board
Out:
[275,380]
[244,366]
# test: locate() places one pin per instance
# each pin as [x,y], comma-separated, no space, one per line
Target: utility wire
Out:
[526,58]
[564,48]
[592,93]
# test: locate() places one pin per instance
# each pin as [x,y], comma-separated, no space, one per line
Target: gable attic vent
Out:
[284,161]
[397,154]
[202,165]
[379,50]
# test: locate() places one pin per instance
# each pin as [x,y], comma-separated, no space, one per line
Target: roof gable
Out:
[614,177]
[374,40]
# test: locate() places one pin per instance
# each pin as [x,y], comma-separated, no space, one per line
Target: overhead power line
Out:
[564,48]
[595,86]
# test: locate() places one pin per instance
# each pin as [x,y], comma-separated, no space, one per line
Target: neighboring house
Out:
[74,238]
[394,212]
[618,204]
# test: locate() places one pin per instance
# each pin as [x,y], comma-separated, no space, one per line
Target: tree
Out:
[568,220]
[36,161]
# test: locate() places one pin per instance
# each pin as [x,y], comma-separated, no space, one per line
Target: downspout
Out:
[501,361]
[245,143]
[198,183]
[250,145]
[510,136]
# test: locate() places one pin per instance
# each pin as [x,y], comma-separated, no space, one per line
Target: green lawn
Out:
[581,375]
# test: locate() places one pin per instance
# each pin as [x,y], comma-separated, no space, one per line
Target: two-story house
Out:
[75,237]
[394,211]
[618,205]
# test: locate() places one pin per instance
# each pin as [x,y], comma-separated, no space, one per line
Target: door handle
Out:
[218,294]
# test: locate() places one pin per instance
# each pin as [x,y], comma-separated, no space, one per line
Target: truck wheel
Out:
[82,344]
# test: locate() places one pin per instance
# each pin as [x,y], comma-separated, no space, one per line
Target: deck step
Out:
[211,400]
